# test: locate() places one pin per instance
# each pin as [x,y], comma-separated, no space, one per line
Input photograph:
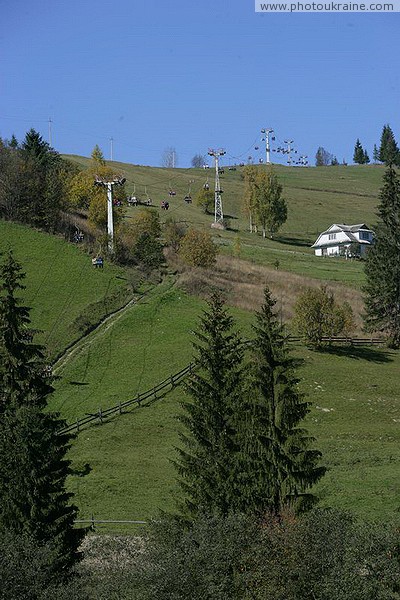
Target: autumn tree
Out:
[198,249]
[271,208]
[318,315]
[249,204]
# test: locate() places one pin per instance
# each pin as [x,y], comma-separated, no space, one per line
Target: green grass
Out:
[316,197]
[132,476]
[60,281]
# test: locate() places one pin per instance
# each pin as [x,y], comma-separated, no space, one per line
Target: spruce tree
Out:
[33,467]
[375,154]
[366,158]
[275,466]
[358,156]
[205,460]
[382,267]
[389,151]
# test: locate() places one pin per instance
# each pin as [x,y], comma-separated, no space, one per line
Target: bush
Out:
[198,249]
[173,233]
[317,315]
[205,199]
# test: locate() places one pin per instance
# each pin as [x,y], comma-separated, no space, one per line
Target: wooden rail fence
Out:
[99,416]
[173,380]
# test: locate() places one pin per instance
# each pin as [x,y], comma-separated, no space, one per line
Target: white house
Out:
[344,240]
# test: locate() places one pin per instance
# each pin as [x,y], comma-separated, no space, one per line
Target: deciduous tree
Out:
[271,208]
[198,249]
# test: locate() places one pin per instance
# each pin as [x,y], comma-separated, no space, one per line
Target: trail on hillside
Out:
[87,340]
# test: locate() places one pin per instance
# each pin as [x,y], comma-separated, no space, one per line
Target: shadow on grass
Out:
[293,241]
[359,353]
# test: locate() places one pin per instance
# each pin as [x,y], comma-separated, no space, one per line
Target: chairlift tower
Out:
[267,133]
[218,212]
[110,218]
[288,151]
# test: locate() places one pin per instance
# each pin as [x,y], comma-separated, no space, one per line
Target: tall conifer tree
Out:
[389,151]
[275,465]
[382,267]
[205,463]
[33,467]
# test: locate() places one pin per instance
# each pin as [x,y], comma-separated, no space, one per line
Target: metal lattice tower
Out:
[288,151]
[267,132]
[218,212]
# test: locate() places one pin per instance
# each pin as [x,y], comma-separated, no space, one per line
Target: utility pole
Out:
[110,218]
[50,142]
[173,159]
[288,151]
[112,148]
[218,212]
[267,132]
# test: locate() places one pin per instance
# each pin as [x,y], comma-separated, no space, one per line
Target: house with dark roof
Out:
[344,240]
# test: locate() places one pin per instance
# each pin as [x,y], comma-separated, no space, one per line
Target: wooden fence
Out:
[173,380]
[101,414]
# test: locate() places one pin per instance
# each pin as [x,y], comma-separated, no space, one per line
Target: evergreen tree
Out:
[274,463]
[334,162]
[382,266]
[358,156]
[366,158]
[375,154]
[205,464]
[33,468]
[389,151]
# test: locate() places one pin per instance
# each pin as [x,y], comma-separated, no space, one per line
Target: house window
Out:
[332,236]
[364,235]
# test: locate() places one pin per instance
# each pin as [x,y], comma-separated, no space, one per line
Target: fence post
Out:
[92,519]
[120,408]
[77,424]
[100,415]
[172,381]
[190,367]
[138,399]
[155,393]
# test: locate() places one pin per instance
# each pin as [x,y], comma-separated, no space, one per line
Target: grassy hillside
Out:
[61,282]
[355,419]
[316,197]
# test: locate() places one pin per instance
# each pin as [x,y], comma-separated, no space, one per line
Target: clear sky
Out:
[195,74]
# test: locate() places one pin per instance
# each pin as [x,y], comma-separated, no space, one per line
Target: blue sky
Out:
[194,75]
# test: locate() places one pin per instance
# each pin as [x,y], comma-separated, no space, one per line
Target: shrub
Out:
[317,315]
[198,249]
[173,233]
[205,200]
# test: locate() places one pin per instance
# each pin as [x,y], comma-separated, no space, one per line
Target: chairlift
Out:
[256,147]
[273,138]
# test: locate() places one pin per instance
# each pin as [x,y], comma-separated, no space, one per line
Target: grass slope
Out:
[316,197]
[355,415]
[60,281]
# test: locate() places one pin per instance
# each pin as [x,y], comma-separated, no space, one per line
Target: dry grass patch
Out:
[244,282]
